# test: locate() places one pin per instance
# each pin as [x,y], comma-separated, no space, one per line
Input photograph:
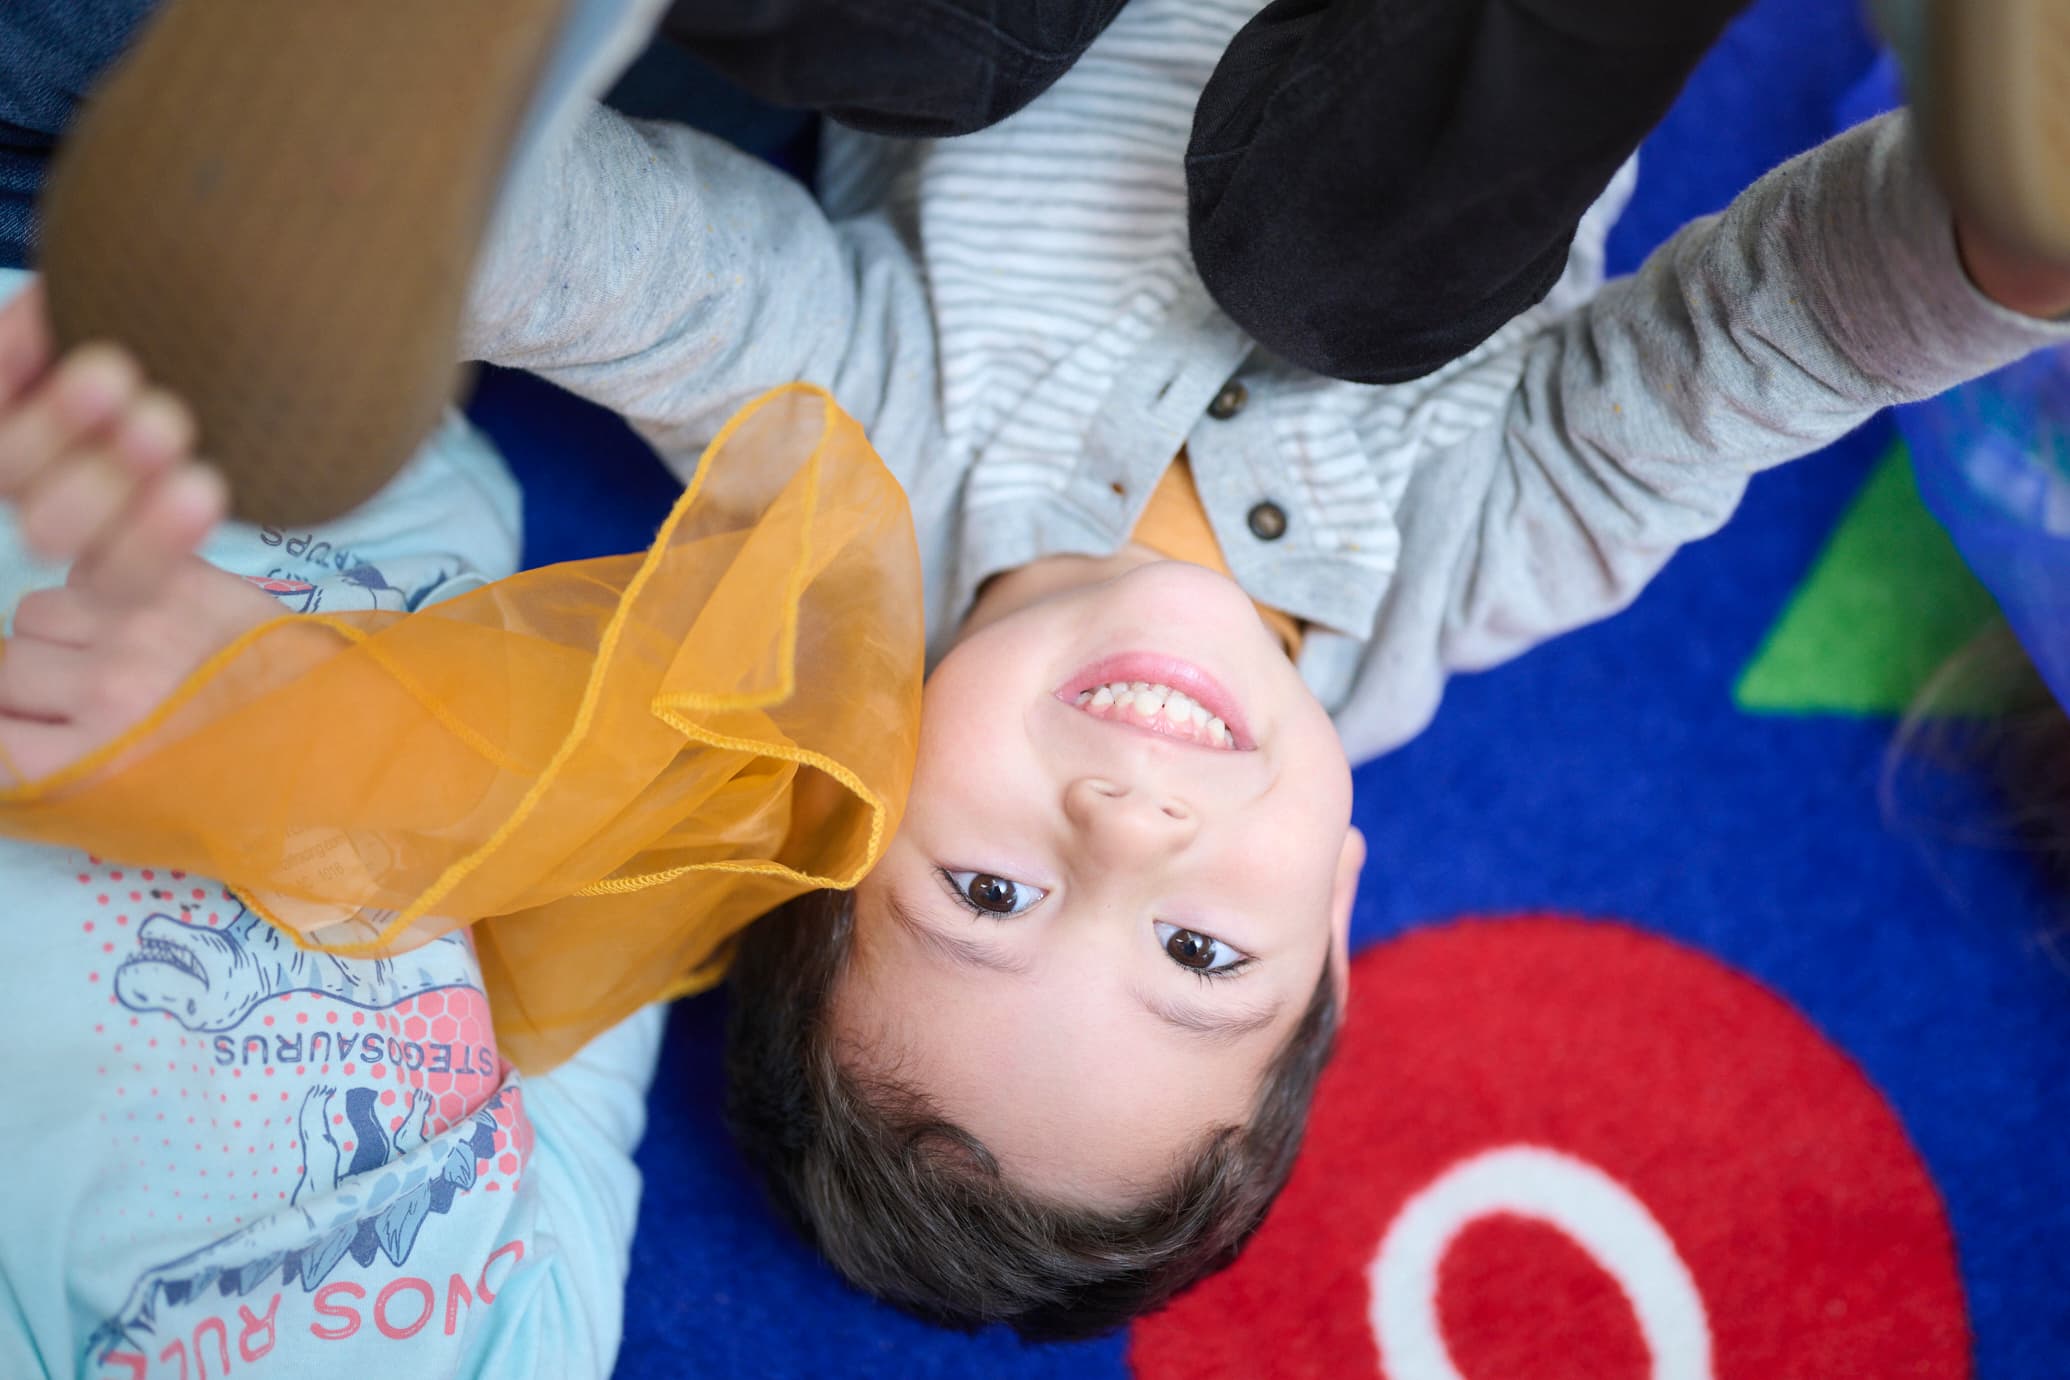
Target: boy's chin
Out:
[1199,612]
[1165,586]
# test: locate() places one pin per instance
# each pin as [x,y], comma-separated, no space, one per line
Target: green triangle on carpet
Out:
[1887,605]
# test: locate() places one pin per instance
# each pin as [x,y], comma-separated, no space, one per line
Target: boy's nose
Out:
[1115,818]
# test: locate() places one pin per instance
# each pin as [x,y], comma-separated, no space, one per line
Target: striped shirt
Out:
[1054,248]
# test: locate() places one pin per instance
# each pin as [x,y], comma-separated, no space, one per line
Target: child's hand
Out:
[2010,277]
[101,473]
[87,449]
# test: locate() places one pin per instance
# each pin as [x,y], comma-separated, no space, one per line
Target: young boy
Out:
[1051,1063]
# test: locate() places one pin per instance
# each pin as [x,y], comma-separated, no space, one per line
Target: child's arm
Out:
[671,278]
[1830,289]
[567,1317]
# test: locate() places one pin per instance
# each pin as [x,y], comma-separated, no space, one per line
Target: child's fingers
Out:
[168,518]
[78,504]
[156,432]
[31,749]
[94,385]
[60,615]
[72,505]
[42,680]
[26,348]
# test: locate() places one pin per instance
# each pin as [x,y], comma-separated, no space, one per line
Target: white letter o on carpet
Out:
[1592,1209]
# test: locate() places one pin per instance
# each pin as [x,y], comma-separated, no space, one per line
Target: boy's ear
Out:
[1350,862]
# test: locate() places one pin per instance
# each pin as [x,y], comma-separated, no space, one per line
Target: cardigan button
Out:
[1229,401]
[1267,521]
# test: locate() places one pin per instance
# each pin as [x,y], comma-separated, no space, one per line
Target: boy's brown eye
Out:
[1199,953]
[990,894]
[995,894]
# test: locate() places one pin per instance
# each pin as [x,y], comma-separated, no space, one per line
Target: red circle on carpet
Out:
[1561,1148]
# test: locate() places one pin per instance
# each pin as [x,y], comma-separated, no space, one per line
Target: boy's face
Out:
[1097,925]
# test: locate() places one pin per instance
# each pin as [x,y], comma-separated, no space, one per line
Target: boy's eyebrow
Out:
[965,952]
[1221,1026]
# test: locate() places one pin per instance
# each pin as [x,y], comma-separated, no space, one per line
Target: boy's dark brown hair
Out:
[915,1211]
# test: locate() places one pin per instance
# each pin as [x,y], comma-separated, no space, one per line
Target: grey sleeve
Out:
[672,278]
[1825,292]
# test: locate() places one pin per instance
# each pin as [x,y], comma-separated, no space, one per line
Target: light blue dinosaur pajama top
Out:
[229,1157]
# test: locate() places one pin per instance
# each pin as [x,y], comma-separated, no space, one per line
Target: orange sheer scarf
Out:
[612,765]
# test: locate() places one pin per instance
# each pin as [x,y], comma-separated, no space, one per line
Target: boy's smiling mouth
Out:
[1160,695]
[1161,709]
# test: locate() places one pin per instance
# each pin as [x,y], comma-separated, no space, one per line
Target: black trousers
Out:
[1374,186]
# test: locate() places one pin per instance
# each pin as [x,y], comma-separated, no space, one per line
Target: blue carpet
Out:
[1606,774]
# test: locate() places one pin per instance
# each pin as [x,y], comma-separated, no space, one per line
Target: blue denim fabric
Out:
[51,53]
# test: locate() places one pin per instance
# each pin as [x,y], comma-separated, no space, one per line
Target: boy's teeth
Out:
[1146,702]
